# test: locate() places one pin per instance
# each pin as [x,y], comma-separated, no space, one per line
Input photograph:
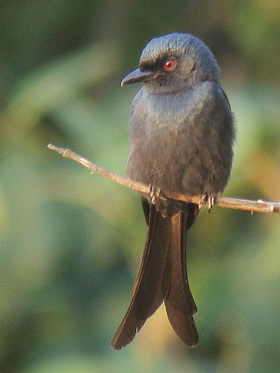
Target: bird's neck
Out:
[157,89]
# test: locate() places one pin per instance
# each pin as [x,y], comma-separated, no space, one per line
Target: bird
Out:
[181,137]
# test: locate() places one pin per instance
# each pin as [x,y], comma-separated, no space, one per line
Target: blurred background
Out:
[71,242]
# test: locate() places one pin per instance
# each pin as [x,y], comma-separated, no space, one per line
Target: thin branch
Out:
[226,202]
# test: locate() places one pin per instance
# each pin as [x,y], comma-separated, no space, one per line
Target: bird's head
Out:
[174,62]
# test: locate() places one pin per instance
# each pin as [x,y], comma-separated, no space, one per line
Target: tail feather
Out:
[150,287]
[162,276]
[179,303]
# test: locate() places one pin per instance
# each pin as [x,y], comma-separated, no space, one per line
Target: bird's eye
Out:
[170,64]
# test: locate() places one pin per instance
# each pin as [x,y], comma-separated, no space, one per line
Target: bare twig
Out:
[226,202]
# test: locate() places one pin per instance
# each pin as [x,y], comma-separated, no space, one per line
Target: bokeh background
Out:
[70,242]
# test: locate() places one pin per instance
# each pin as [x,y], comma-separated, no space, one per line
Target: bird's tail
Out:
[179,303]
[162,276]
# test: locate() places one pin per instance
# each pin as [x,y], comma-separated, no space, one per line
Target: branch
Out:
[226,202]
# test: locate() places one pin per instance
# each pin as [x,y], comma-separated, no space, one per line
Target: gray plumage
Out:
[180,139]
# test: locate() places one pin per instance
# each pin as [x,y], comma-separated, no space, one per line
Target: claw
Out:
[203,201]
[209,200]
[155,194]
[159,200]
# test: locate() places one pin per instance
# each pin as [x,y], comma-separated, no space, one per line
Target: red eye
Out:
[169,65]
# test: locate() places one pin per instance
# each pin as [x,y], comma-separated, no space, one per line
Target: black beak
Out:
[137,76]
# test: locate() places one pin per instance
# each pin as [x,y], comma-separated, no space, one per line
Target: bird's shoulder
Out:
[209,92]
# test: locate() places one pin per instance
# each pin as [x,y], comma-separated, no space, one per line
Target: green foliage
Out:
[71,242]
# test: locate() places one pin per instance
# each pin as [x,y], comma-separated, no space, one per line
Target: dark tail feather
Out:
[151,284]
[179,302]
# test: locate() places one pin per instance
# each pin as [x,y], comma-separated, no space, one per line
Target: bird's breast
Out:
[157,143]
[166,111]
[182,141]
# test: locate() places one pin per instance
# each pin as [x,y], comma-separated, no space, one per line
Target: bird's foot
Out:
[160,201]
[155,194]
[209,200]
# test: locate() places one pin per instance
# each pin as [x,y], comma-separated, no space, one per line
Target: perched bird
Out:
[180,140]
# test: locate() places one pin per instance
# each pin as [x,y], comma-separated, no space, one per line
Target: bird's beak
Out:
[137,76]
